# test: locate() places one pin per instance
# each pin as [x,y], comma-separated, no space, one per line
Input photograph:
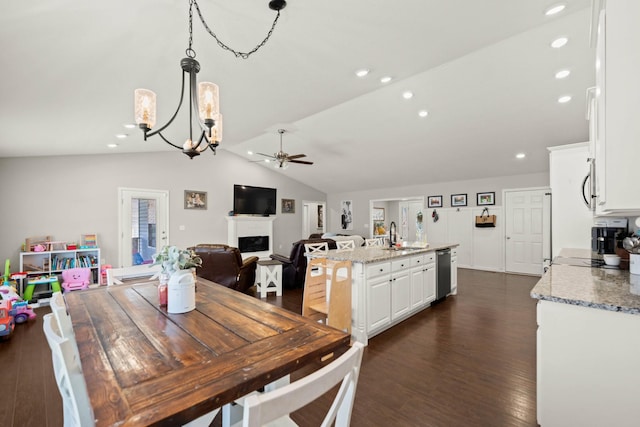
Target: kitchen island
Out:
[389,286]
[588,346]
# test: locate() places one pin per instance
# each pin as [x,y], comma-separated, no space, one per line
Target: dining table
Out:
[144,366]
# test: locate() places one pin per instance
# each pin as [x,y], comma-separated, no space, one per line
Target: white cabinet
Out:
[400,288]
[417,287]
[587,366]
[430,278]
[617,98]
[378,283]
[454,271]
[571,218]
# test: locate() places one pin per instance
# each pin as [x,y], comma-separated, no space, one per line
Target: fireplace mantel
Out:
[246,226]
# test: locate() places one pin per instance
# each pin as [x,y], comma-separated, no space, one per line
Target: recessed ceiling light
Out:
[362,73]
[562,74]
[129,125]
[564,99]
[112,145]
[385,79]
[555,9]
[121,135]
[250,153]
[407,95]
[267,161]
[559,42]
[520,156]
[423,113]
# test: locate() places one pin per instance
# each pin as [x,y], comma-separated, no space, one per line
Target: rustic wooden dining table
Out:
[144,366]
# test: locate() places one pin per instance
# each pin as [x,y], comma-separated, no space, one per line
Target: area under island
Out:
[389,286]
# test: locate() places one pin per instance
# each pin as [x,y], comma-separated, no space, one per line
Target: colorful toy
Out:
[19,309]
[75,278]
[7,322]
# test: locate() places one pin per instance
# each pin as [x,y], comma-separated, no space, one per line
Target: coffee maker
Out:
[606,236]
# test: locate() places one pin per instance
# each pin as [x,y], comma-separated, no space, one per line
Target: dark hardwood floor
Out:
[467,361]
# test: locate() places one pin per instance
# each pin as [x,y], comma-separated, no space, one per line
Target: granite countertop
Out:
[602,288]
[368,255]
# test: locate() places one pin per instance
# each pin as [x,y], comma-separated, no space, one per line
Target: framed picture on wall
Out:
[434,201]
[458,200]
[485,199]
[346,215]
[320,216]
[195,199]
[288,206]
[378,214]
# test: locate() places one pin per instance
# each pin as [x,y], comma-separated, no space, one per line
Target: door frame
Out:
[126,258]
[546,225]
[306,214]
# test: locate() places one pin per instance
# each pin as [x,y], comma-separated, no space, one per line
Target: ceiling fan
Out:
[283,158]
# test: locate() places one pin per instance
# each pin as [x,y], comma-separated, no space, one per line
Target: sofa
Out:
[294,267]
[223,264]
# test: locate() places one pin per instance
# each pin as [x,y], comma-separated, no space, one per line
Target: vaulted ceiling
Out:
[484,71]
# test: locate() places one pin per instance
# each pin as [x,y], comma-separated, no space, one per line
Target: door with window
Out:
[143,225]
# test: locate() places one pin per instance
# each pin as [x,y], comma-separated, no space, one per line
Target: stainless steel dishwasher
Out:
[443,273]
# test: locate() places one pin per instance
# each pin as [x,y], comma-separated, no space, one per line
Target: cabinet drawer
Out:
[430,258]
[400,264]
[417,260]
[454,252]
[379,269]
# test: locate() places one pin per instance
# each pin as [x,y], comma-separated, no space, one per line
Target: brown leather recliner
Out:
[223,264]
[294,267]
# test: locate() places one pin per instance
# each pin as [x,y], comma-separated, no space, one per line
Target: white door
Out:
[527,225]
[143,225]
[313,218]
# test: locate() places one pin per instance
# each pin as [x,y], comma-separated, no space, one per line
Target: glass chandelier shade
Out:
[208,100]
[145,108]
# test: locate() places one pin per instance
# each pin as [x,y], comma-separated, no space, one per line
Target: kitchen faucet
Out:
[392,234]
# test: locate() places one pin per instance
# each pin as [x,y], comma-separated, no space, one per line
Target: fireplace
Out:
[252,235]
[253,243]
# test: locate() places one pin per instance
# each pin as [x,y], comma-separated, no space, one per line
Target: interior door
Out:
[527,225]
[143,226]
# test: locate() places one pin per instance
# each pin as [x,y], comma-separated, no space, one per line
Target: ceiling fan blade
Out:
[296,156]
[303,162]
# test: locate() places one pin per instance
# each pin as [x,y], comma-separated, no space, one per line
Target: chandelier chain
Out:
[190,52]
[243,55]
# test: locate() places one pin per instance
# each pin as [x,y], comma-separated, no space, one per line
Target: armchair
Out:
[294,267]
[223,264]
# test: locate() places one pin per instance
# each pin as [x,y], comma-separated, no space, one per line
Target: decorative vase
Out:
[181,292]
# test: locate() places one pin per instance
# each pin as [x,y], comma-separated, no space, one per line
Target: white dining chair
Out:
[273,408]
[115,276]
[316,248]
[345,245]
[59,310]
[370,243]
[77,410]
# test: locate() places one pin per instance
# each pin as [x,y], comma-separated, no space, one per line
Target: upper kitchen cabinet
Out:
[616,126]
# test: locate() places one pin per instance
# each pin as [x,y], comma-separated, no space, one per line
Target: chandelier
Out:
[203,97]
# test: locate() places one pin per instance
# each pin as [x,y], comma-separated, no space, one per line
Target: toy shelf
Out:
[49,263]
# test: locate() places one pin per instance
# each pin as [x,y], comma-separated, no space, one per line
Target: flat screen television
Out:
[249,200]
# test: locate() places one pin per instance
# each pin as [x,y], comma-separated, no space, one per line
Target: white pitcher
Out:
[181,292]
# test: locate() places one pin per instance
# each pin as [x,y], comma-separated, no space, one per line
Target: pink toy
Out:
[75,278]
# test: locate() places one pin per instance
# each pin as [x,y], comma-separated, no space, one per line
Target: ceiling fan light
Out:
[145,108]
[208,100]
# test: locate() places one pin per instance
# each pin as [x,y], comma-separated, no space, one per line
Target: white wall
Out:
[360,207]
[66,196]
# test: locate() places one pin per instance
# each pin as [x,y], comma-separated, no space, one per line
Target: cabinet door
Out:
[417,287]
[378,303]
[400,294]
[430,283]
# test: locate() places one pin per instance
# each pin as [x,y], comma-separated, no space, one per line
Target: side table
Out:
[270,274]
